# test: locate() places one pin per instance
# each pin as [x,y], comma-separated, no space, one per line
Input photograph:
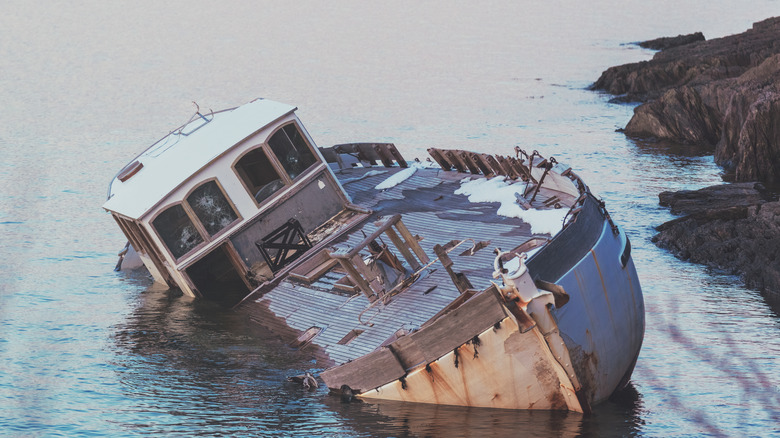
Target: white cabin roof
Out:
[174,159]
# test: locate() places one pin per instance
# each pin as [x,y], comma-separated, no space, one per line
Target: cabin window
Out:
[292,151]
[211,207]
[258,174]
[177,230]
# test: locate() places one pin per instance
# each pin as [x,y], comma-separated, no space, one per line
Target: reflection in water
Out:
[618,417]
[671,149]
[196,368]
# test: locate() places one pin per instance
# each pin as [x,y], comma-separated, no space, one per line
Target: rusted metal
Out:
[521,169]
[466,158]
[397,155]
[559,294]
[491,161]
[472,374]
[507,167]
[369,153]
[483,166]
[387,152]
[425,339]
[384,155]
[453,158]
[438,156]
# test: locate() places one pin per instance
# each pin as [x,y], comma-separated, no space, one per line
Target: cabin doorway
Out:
[216,278]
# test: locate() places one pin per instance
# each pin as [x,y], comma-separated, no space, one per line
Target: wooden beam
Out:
[403,249]
[351,253]
[356,278]
[365,373]
[412,242]
[454,329]
[458,279]
[371,277]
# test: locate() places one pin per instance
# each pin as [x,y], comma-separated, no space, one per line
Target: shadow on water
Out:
[620,416]
[654,146]
[191,367]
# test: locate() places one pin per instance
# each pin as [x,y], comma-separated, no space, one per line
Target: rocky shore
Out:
[734,228]
[722,94]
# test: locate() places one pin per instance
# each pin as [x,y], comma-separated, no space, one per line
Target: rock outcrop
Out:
[714,198]
[734,228]
[664,43]
[722,93]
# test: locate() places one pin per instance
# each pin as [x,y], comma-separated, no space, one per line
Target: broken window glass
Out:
[292,151]
[177,230]
[258,174]
[211,207]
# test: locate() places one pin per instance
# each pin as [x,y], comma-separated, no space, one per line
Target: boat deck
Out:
[347,325]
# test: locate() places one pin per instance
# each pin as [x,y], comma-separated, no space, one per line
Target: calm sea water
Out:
[86,85]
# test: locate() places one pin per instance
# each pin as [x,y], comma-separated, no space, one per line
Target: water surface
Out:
[85,86]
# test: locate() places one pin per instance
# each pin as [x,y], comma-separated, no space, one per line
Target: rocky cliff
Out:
[722,93]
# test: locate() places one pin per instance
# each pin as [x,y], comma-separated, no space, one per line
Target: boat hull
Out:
[514,364]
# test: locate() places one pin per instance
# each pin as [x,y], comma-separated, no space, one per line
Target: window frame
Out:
[199,227]
[224,229]
[277,165]
[305,141]
[280,172]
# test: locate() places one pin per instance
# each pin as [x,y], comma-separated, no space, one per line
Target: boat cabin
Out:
[221,204]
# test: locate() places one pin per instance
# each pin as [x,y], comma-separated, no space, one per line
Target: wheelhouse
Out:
[221,204]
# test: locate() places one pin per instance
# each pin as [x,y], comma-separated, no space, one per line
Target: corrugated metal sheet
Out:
[430,209]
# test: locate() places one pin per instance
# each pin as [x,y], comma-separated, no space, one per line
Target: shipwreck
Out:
[464,279]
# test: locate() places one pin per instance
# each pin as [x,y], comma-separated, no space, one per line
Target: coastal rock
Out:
[722,93]
[695,63]
[714,198]
[664,43]
[757,154]
[681,115]
[733,228]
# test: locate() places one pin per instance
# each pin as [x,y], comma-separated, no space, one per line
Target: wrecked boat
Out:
[463,279]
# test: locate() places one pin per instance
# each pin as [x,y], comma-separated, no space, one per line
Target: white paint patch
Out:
[320,184]
[365,175]
[396,179]
[374,173]
[497,190]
